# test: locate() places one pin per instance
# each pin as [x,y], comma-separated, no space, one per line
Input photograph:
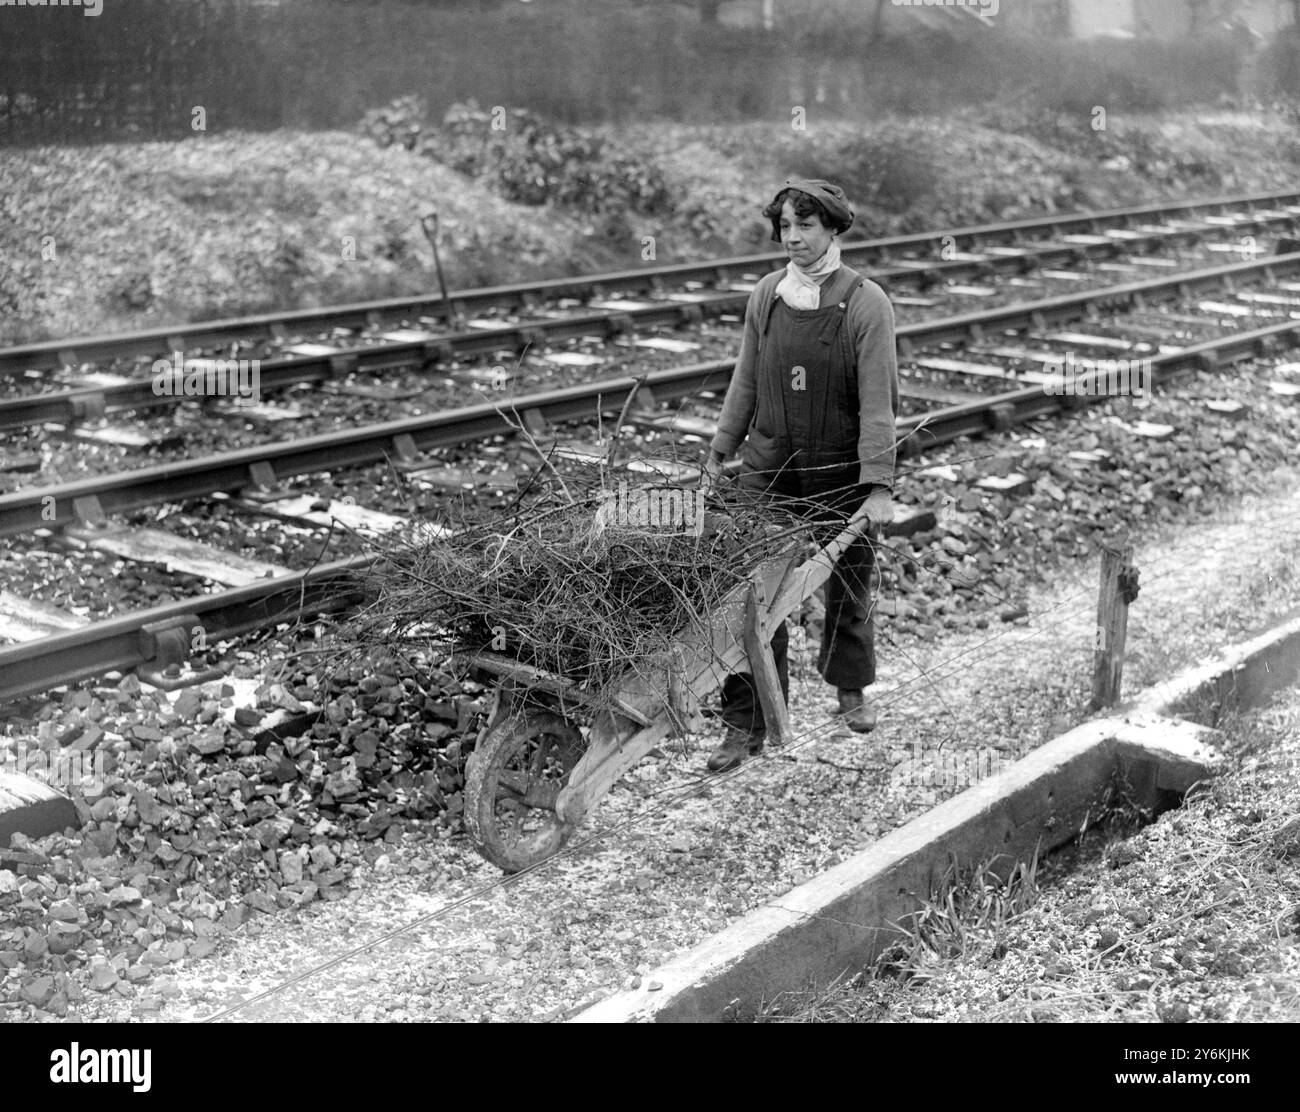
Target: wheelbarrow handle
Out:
[858,526]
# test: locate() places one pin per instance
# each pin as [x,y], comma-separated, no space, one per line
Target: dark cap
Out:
[830,197]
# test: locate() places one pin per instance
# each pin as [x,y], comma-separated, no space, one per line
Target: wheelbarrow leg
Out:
[611,750]
[762,664]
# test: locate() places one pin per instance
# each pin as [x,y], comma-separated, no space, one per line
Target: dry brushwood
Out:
[560,583]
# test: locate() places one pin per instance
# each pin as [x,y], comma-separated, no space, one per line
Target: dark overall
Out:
[803,444]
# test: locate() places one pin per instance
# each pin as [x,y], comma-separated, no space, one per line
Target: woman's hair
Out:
[804,206]
[809,197]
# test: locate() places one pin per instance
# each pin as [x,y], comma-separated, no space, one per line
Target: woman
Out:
[814,396]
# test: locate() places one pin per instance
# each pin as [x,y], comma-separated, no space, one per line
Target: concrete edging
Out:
[1243,675]
[844,918]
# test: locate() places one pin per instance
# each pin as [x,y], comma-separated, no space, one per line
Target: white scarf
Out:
[801,286]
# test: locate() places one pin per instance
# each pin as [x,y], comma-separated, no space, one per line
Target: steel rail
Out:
[54,506]
[55,353]
[138,638]
[922,431]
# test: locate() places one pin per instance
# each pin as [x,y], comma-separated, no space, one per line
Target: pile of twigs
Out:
[566,582]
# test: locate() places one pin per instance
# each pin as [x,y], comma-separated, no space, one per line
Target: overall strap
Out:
[840,285]
[765,314]
[837,291]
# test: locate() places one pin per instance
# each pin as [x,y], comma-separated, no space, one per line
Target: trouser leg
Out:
[848,650]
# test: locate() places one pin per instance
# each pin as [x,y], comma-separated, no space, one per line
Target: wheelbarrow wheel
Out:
[512,780]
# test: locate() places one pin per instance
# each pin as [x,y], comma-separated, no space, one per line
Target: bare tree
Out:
[1063,18]
[1196,13]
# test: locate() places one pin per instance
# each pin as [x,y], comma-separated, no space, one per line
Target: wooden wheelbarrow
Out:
[532,779]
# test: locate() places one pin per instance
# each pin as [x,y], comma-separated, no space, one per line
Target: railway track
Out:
[927,386]
[1261,210]
[1004,364]
[986,369]
[48,386]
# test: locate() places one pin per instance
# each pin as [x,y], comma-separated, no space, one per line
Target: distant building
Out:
[1080,19]
[1166,18]
[1163,19]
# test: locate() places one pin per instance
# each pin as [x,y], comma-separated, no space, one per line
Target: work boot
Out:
[736,746]
[859,717]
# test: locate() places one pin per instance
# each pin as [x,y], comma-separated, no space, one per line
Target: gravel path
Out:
[682,856]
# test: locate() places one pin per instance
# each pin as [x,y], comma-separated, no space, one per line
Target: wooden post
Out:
[1119,587]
